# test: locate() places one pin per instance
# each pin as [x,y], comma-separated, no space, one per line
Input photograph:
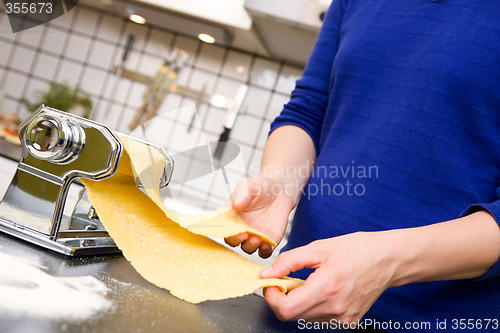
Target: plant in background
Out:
[62,97]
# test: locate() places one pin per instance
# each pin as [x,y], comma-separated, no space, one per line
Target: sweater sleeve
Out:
[494,209]
[308,101]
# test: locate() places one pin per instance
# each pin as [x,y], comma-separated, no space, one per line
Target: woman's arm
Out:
[353,270]
[288,160]
[265,201]
[458,249]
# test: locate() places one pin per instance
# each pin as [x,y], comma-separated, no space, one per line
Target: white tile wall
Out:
[237,65]
[110,28]
[133,60]
[214,118]
[102,55]
[275,106]
[264,73]
[184,76]
[246,154]
[83,46]
[86,21]
[227,87]
[92,80]
[189,45]
[69,72]
[288,76]
[5,29]
[149,64]
[54,41]
[210,57]
[15,84]
[45,65]
[123,119]
[256,101]
[202,79]
[135,95]
[159,42]
[253,165]
[31,37]
[121,93]
[35,86]
[262,136]
[4,54]
[245,128]
[181,140]
[185,111]
[78,48]
[139,31]
[22,59]
[64,21]
[170,105]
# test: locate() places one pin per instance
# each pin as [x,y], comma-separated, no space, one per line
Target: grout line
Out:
[117,55]
[218,80]
[64,48]
[108,70]
[263,118]
[99,98]
[195,60]
[31,71]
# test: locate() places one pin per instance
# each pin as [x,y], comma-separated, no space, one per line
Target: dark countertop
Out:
[138,306]
[10,150]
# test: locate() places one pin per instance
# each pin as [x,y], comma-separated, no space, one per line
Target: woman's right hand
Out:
[265,202]
[265,206]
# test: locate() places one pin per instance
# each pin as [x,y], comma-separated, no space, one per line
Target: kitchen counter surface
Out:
[10,151]
[137,305]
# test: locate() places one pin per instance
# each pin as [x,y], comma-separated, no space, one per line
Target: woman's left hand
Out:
[352,271]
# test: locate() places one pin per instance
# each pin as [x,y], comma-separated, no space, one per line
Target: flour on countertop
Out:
[115,284]
[26,290]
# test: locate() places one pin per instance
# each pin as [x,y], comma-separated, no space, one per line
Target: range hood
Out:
[281,29]
[226,20]
[224,12]
[288,28]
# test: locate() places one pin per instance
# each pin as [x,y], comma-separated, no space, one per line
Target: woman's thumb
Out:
[242,196]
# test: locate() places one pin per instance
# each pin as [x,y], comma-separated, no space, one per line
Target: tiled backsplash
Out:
[83,46]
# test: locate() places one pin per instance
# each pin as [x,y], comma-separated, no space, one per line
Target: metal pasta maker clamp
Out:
[58,148]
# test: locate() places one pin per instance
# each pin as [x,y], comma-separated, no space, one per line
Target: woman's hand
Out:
[352,271]
[265,202]
[264,206]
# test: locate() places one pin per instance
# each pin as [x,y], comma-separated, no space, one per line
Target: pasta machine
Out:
[57,149]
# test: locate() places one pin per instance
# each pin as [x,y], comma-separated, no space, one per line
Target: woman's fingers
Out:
[251,244]
[236,239]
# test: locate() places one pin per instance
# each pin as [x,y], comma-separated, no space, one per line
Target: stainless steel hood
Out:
[288,28]
[226,20]
[281,29]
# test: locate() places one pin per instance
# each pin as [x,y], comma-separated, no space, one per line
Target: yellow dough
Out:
[147,166]
[173,252]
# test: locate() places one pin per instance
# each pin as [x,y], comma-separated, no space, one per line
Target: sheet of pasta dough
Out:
[147,165]
[188,264]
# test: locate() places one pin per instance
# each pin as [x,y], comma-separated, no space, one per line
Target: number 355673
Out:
[28,7]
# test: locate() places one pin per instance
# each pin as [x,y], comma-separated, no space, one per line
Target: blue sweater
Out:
[402,101]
